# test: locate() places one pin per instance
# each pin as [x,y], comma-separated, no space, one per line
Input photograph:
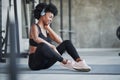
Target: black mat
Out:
[96,70]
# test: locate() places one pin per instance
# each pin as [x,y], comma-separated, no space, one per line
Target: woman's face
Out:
[47,18]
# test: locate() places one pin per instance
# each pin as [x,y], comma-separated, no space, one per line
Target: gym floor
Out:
[105,66]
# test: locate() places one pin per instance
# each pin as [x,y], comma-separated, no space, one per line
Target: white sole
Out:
[83,70]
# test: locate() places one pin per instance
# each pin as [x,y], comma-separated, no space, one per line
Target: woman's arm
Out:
[53,35]
[34,35]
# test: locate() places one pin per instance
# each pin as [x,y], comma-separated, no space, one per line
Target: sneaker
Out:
[81,66]
[68,65]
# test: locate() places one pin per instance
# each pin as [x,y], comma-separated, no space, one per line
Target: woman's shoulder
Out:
[33,26]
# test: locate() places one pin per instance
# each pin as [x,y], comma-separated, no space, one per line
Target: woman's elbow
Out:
[36,40]
[59,41]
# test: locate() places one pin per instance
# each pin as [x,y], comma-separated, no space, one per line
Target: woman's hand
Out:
[52,34]
[47,26]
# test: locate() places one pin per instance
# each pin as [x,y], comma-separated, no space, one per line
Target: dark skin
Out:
[44,23]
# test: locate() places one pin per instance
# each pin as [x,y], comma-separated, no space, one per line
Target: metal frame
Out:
[61,18]
[1,38]
[14,40]
[70,27]
[0,31]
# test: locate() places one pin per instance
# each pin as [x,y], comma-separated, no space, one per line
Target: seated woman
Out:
[43,54]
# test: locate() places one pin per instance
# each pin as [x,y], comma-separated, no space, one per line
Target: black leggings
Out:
[45,57]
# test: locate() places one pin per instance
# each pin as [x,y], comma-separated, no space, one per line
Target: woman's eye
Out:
[50,16]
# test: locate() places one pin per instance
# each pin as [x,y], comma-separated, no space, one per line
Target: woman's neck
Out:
[41,25]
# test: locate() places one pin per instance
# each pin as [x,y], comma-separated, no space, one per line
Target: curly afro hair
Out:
[48,8]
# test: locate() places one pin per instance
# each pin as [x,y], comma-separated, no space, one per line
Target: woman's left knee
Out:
[66,41]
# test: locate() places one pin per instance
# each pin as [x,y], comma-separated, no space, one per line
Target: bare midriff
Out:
[32,49]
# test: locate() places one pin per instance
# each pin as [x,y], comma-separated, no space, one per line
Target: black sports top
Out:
[33,43]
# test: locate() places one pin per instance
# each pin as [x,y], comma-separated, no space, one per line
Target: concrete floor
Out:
[105,58]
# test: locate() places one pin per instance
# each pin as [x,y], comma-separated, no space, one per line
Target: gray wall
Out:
[93,21]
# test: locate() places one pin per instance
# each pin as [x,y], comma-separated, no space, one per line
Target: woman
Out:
[43,54]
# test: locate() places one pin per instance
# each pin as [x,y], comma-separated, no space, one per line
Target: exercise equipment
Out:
[118,34]
[2,40]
